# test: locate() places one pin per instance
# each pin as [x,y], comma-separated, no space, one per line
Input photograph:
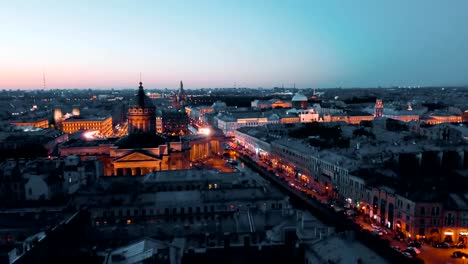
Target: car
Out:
[396,248]
[459,245]
[398,238]
[441,245]
[377,232]
[415,244]
[415,250]
[407,254]
[459,254]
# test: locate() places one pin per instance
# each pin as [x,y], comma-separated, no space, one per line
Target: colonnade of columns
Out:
[134,171]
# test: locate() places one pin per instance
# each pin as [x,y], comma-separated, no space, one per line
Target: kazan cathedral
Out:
[141,151]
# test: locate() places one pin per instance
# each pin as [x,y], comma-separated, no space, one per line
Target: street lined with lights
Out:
[426,252]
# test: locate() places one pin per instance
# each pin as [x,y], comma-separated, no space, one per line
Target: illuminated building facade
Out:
[404,118]
[229,122]
[304,115]
[290,119]
[103,125]
[439,119]
[38,124]
[348,118]
[272,103]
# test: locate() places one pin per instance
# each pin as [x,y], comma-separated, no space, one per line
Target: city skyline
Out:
[223,44]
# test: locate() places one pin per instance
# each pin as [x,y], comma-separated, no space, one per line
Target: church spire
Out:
[181,87]
[141,95]
[141,84]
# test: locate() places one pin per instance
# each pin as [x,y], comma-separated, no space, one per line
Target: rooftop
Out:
[144,140]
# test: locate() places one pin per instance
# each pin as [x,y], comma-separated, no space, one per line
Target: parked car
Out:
[410,252]
[415,250]
[459,254]
[407,254]
[459,245]
[415,244]
[442,245]
[398,238]
[396,248]
[377,232]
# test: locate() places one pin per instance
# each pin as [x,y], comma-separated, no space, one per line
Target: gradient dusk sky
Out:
[326,43]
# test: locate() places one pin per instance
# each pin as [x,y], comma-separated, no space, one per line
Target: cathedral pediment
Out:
[136,156]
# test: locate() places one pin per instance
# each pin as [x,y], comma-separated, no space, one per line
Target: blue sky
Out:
[105,44]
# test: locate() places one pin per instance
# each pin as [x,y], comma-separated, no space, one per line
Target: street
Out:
[428,253]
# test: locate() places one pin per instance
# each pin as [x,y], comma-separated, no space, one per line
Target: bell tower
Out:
[378,109]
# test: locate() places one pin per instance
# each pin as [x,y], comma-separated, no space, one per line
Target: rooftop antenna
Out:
[44,81]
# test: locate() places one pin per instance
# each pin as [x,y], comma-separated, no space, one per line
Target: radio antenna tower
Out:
[44,81]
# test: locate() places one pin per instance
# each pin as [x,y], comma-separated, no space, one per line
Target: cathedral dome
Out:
[141,114]
[298,97]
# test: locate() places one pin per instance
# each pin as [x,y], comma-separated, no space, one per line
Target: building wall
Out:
[229,127]
[39,124]
[290,120]
[404,118]
[252,143]
[434,120]
[103,126]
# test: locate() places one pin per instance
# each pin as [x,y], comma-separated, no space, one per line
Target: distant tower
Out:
[181,97]
[58,118]
[44,81]
[379,107]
